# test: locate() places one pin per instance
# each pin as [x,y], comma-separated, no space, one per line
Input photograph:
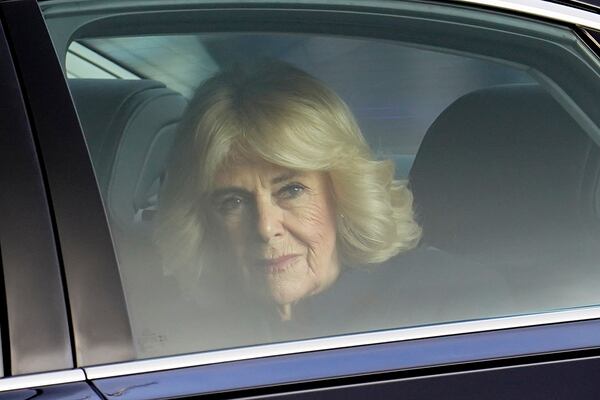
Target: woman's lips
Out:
[279,264]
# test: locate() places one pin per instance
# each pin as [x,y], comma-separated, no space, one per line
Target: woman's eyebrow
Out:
[228,191]
[286,176]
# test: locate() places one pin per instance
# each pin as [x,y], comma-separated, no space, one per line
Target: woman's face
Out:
[281,223]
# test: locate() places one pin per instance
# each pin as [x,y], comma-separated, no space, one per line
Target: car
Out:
[488,110]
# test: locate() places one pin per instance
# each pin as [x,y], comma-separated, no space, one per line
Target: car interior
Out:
[500,171]
[506,174]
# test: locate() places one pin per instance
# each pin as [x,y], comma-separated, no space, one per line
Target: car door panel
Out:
[85,244]
[555,380]
[493,364]
[351,362]
[68,391]
[35,305]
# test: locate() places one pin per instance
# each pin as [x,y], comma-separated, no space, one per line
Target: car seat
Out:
[506,175]
[129,127]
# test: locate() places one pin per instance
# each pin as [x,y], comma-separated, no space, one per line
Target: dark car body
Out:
[64,325]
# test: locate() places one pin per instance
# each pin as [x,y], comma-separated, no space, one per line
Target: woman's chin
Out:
[286,297]
[284,302]
[289,287]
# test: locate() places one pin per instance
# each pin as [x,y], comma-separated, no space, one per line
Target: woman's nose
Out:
[269,219]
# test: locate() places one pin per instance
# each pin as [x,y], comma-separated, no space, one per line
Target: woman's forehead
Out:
[238,171]
[259,173]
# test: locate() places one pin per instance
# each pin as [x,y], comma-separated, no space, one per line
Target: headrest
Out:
[505,170]
[129,127]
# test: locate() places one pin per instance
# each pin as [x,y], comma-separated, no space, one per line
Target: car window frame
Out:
[96,306]
[113,370]
[592,38]
[35,326]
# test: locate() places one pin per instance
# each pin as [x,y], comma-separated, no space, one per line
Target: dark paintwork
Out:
[591,38]
[100,322]
[589,5]
[556,380]
[83,246]
[596,36]
[39,336]
[67,391]
[586,4]
[354,361]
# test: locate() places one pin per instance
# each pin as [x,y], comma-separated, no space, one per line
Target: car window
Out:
[82,62]
[264,185]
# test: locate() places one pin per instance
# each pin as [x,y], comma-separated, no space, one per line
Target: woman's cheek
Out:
[240,241]
[319,222]
[314,227]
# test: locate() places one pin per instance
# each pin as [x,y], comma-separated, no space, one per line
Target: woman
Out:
[273,191]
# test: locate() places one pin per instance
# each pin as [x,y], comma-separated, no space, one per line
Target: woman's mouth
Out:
[278,264]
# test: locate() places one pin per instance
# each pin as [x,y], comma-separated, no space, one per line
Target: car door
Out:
[37,348]
[535,352]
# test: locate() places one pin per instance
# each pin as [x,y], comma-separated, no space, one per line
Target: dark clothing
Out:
[423,286]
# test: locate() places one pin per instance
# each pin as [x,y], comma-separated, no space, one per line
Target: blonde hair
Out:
[286,117]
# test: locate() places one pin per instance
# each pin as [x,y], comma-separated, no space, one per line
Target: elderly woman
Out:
[271,176]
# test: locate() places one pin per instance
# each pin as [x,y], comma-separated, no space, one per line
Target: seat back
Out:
[506,176]
[129,127]
[504,171]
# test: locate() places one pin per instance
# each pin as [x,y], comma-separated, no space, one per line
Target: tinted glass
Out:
[264,187]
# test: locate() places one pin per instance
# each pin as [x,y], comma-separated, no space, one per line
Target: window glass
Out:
[264,187]
[83,62]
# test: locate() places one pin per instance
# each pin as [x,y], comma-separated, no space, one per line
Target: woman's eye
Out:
[291,191]
[230,204]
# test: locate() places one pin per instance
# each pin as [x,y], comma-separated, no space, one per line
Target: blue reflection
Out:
[68,391]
